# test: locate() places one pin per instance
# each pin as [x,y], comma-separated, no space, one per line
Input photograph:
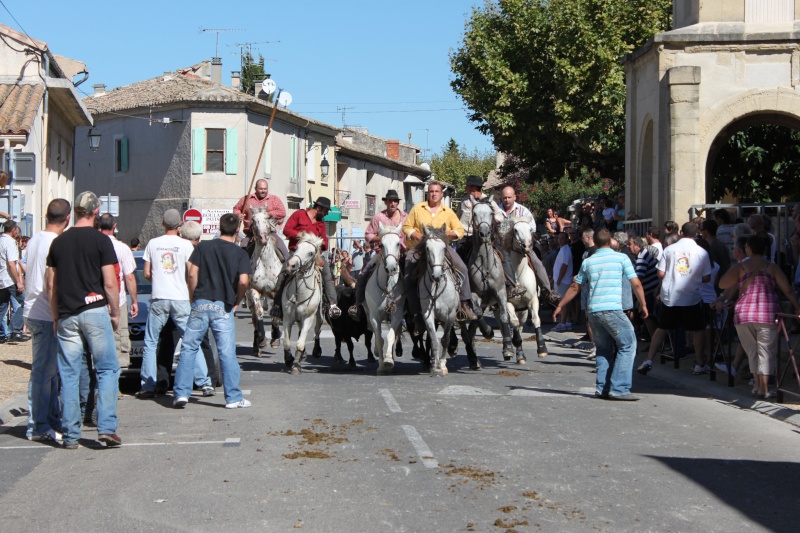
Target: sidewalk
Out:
[15,370]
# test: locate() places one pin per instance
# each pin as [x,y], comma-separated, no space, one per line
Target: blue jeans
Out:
[92,328]
[219,317]
[16,301]
[43,391]
[159,312]
[613,331]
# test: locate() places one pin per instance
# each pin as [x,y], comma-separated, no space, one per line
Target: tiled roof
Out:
[18,105]
[177,88]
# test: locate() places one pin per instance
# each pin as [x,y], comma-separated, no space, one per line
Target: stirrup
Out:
[462,313]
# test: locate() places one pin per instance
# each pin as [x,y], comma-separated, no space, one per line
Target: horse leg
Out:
[468,336]
[300,347]
[316,353]
[286,340]
[275,335]
[442,361]
[375,325]
[338,361]
[368,344]
[352,363]
[486,329]
[516,339]
[452,345]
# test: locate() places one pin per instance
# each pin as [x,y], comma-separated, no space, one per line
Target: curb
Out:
[727,394]
[16,406]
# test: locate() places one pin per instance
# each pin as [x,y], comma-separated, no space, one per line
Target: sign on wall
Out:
[352,204]
[211,220]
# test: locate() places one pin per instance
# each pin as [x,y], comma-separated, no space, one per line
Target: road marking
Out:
[246,392]
[422,449]
[465,390]
[232,442]
[391,403]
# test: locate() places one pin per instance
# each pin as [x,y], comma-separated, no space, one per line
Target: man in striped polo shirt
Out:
[603,272]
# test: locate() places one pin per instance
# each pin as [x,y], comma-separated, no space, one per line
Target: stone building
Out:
[725,66]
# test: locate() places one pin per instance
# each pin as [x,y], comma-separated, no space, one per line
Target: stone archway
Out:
[699,82]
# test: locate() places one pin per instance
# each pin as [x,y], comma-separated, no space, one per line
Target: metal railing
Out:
[640,226]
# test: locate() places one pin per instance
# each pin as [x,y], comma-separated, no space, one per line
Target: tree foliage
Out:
[252,71]
[455,163]
[758,164]
[544,78]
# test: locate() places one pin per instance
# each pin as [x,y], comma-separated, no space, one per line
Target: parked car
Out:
[169,342]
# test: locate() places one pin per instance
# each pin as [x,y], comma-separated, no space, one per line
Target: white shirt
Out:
[564,258]
[9,253]
[127,264]
[684,265]
[517,211]
[167,256]
[707,291]
[37,304]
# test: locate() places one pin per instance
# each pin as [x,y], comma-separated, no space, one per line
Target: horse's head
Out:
[436,243]
[390,246]
[261,223]
[521,233]
[482,220]
[308,247]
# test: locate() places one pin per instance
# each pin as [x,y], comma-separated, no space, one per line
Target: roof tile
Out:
[18,107]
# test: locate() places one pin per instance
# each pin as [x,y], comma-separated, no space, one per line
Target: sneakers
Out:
[699,370]
[770,394]
[145,394]
[624,398]
[722,367]
[69,445]
[645,367]
[561,328]
[241,404]
[180,402]
[49,436]
[20,337]
[111,440]
[208,390]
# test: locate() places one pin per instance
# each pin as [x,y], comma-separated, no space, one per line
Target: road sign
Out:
[193,215]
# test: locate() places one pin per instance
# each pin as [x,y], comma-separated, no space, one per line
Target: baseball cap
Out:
[172,218]
[88,201]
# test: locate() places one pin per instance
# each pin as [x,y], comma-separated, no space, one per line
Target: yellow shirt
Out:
[421,215]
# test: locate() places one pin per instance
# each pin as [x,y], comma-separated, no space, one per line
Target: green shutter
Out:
[124,154]
[198,150]
[231,151]
[293,160]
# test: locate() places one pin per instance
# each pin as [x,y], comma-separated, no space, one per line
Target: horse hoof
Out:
[352,365]
[339,362]
[437,373]
[452,354]
[276,343]
[507,356]
[296,370]
[316,353]
[476,366]
[488,333]
[288,360]
[522,360]
[542,354]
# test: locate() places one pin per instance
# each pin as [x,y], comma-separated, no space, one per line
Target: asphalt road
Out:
[512,447]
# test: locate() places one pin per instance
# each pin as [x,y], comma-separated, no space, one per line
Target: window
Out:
[370,205]
[215,150]
[120,154]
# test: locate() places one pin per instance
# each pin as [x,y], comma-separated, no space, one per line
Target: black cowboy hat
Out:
[391,194]
[323,202]
[475,181]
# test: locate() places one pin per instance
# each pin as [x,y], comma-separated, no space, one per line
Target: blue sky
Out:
[386,60]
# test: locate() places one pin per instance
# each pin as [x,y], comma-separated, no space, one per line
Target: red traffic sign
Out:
[193,215]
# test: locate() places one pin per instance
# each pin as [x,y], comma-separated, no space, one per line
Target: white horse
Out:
[438,294]
[519,244]
[266,264]
[385,296]
[302,297]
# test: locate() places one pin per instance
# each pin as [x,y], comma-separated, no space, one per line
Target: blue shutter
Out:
[198,150]
[231,151]
[124,154]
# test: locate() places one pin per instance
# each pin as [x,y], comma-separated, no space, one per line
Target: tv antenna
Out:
[218,31]
[344,109]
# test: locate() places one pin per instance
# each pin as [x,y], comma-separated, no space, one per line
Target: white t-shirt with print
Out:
[9,253]
[684,265]
[564,258]
[167,256]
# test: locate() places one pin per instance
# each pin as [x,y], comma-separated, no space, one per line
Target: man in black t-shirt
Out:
[84,302]
[219,274]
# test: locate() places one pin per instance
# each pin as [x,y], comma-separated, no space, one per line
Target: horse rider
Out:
[391,216]
[275,209]
[433,213]
[510,208]
[474,186]
[308,221]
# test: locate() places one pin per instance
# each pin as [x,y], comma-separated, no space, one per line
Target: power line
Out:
[387,111]
[15,20]
[380,103]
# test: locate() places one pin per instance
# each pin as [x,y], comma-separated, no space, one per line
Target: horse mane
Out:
[388,229]
[314,240]
[432,233]
[510,235]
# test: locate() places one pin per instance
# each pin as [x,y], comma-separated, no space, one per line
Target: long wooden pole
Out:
[261,153]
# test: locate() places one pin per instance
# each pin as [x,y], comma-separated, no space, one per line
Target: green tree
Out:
[252,71]
[544,78]
[455,163]
[758,164]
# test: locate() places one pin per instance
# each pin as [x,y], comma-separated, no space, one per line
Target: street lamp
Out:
[94,139]
[324,167]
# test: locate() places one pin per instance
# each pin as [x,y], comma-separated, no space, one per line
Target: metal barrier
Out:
[781,319]
[640,226]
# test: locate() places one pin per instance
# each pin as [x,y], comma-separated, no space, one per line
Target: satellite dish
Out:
[285,99]
[268,86]
[426,166]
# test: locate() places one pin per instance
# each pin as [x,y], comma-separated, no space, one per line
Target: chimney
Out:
[216,70]
[236,79]
[99,88]
[393,150]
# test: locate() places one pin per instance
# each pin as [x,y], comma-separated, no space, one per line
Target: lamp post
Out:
[94,139]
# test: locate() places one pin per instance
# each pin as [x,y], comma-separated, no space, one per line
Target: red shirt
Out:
[299,222]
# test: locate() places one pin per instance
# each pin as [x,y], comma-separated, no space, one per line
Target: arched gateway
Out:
[727,65]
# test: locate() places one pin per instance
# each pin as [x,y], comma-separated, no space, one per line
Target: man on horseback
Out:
[474,186]
[510,208]
[275,209]
[433,213]
[308,221]
[391,216]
